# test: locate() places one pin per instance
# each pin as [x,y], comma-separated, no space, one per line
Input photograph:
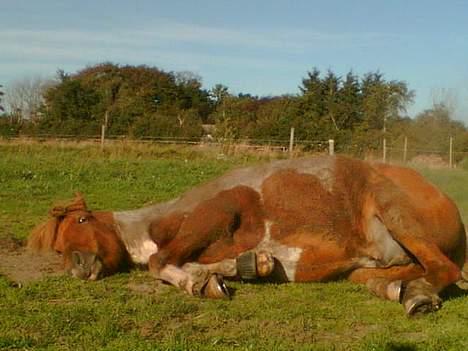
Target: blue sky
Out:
[257,47]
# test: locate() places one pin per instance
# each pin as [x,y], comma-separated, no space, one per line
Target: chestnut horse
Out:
[313,219]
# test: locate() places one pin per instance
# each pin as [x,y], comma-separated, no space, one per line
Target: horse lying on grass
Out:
[301,220]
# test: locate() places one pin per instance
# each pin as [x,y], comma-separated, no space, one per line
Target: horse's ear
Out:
[79,201]
[42,238]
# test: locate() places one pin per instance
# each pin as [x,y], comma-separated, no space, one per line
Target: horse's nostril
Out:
[85,265]
[77,258]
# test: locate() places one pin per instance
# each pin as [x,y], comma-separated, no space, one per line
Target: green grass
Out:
[133,312]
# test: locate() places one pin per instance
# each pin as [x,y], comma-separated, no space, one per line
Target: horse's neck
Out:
[133,229]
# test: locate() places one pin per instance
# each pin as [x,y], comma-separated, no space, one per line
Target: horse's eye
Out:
[82,220]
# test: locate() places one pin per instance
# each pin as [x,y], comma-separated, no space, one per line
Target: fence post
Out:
[103,130]
[331,147]
[451,153]
[405,150]
[291,141]
[384,151]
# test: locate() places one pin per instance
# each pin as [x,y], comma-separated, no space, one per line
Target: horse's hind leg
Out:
[404,284]
[421,294]
[411,233]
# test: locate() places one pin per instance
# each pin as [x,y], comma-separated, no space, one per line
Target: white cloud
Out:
[168,36]
[172,46]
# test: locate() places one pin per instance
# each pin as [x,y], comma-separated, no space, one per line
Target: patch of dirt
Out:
[20,266]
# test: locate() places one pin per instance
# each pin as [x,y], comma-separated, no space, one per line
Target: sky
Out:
[258,47]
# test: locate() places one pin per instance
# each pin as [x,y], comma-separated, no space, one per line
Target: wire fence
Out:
[404,153]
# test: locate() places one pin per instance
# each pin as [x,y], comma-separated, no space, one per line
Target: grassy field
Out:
[133,312]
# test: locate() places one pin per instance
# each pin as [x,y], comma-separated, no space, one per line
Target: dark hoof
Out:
[215,288]
[422,304]
[247,265]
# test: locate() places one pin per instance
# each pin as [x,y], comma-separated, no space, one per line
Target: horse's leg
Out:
[196,281]
[226,268]
[420,293]
[206,279]
[210,221]
[322,259]
[405,284]
[248,265]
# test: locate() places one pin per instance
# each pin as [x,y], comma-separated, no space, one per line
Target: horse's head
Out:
[87,240]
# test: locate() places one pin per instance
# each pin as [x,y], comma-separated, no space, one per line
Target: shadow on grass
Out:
[453,292]
[399,347]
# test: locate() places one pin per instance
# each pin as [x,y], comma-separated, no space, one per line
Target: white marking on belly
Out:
[141,253]
[287,256]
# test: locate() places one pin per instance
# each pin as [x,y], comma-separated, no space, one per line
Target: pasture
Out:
[133,312]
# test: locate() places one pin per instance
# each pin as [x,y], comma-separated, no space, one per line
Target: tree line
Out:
[142,101]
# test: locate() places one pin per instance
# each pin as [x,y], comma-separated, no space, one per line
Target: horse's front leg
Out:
[206,280]
[194,279]
[212,220]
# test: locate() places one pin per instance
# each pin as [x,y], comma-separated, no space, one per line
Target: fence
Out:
[449,156]
[387,152]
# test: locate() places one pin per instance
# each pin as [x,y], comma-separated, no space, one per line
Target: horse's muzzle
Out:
[85,265]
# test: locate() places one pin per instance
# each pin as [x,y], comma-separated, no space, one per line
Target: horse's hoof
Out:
[247,265]
[215,288]
[265,263]
[422,304]
[251,265]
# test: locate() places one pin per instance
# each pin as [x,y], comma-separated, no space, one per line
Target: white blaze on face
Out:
[141,253]
[287,256]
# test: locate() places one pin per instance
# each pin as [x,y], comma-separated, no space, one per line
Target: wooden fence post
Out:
[331,147]
[405,150]
[384,151]
[291,141]
[103,130]
[451,153]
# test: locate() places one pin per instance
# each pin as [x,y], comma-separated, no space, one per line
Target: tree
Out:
[438,123]
[331,85]
[2,109]
[218,93]
[312,92]
[128,95]
[383,100]
[72,108]
[236,116]
[275,117]
[25,96]
[191,95]
[349,102]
